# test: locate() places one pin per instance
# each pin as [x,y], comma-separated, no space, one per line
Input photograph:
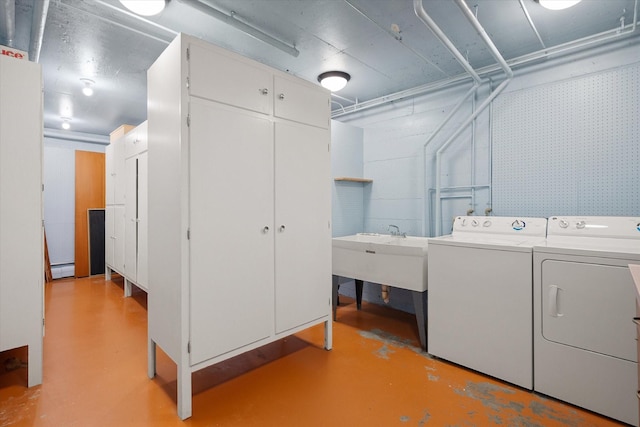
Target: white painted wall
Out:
[347,197]
[59,201]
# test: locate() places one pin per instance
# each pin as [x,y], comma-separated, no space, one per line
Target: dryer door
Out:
[589,306]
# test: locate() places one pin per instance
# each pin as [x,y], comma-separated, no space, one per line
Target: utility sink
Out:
[382,258]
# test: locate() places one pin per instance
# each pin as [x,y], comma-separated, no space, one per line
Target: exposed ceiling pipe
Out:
[418,8]
[523,60]
[76,136]
[509,73]
[9,22]
[430,23]
[248,29]
[40,10]
[533,26]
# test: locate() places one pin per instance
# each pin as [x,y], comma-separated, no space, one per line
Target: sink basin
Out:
[382,258]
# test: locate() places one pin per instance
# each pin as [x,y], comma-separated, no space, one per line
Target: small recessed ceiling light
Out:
[334,80]
[558,4]
[144,7]
[66,123]
[88,87]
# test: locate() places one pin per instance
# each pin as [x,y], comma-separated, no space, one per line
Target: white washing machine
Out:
[584,303]
[480,295]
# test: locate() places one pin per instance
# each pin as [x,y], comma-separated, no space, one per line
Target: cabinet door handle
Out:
[553,301]
[281,96]
[282,228]
[265,230]
[636,320]
[264,91]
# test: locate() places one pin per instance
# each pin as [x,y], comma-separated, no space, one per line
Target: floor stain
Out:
[404,419]
[433,377]
[389,339]
[425,419]
[541,409]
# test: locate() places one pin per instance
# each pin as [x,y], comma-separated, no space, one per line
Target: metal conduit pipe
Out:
[455,109]
[418,8]
[9,22]
[40,10]
[521,60]
[76,136]
[509,73]
[246,28]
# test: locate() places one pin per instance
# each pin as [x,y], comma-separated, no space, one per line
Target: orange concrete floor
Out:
[95,375]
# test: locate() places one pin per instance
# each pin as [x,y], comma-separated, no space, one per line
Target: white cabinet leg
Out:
[35,364]
[127,288]
[184,392]
[107,273]
[328,334]
[151,358]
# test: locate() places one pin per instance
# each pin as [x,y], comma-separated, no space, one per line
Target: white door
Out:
[231,228]
[303,234]
[130,218]
[109,235]
[118,171]
[118,241]
[143,248]
[110,174]
[589,306]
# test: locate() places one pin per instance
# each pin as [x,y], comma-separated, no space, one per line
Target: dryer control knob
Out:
[475,222]
[518,224]
[487,223]
[580,225]
[563,223]
[463,222]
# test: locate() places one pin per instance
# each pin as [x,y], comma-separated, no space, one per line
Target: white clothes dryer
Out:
[584,303]
[479,298]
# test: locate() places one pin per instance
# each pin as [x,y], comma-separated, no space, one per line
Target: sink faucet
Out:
[395,232]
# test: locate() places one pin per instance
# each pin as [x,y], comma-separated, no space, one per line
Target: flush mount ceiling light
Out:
[334,80]
[144,7]
[66,123]
[87,90]
[558,4]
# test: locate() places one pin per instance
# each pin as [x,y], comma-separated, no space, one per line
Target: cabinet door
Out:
[303,234]
[110,174]
[227,78]
[301,103]
[118,170]
[109,231]
[231,228]
[118,241]
[21,240]
[130,217]
[143,249]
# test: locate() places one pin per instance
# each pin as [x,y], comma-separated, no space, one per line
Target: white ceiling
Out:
[381,43]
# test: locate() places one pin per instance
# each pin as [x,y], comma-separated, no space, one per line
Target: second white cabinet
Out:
[239,207]
[135,209]
[126,210]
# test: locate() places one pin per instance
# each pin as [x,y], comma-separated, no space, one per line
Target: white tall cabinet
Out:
[126,206]
[135,209]
[21,212]
[239,207]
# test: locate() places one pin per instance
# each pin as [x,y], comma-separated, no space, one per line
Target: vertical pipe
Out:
[40,10]
[9,22]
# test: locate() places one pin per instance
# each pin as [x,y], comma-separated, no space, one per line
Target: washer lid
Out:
[591,246]
[489,241]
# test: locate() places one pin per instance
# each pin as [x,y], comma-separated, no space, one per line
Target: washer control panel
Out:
[500,225]
[594,226]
